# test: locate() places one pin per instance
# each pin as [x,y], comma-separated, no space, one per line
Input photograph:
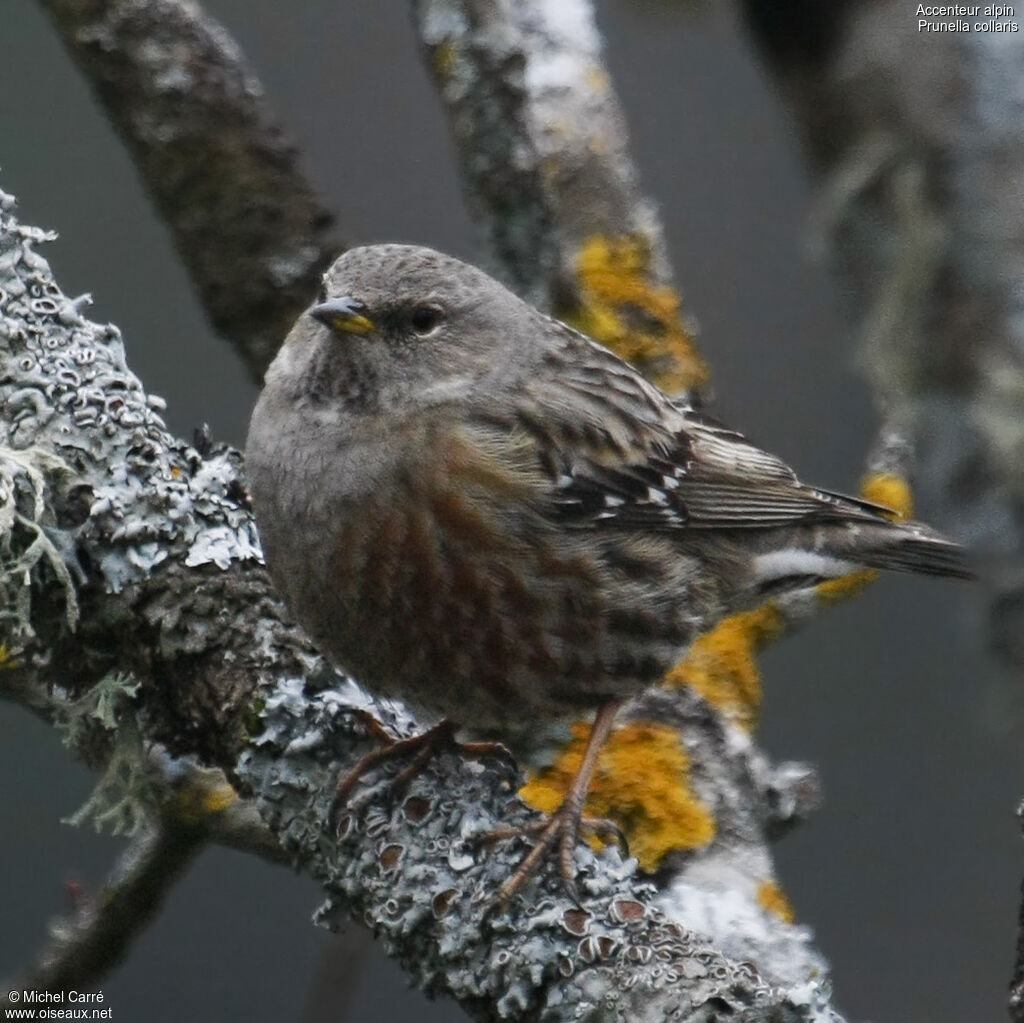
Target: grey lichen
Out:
[70,402]
[30,543]
[100,706]
[409,868]
[126,795]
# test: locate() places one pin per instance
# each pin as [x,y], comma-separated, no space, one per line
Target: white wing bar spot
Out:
[791,561]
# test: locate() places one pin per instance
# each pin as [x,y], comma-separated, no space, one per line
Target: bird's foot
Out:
[421,749]
[558,834]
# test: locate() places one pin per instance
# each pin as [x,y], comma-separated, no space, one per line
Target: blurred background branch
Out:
[544,151]
[915,146]
[246,222]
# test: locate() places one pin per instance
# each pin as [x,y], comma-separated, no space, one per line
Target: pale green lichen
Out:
[124,798]
[28,542]
[102,705]
[127,791]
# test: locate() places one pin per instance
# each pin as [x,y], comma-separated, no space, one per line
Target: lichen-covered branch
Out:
[248,226]
[544,153]
[177,637]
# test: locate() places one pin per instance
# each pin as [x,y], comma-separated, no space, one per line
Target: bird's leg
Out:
[373,726]
[422,748]
[446,740]
[563,828]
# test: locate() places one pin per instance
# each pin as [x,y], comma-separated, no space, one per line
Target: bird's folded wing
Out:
[698,476]
[615,452]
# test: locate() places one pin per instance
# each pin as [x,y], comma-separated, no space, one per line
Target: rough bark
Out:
[248,225]
[545,159]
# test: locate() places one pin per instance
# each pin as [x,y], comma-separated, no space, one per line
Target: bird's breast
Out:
[437,582]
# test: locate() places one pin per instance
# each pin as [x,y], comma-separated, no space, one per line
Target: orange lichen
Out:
[218,798]
[771,898]
[192,804]
[597,78]
[890,491]
[640,782]
[846,586]
[721,665]
[8,658]
[622,305]
[444,59]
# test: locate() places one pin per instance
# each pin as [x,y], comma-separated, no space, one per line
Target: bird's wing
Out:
[706,479]
[618,453]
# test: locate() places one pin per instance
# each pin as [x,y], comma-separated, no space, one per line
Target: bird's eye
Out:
[321,295]
[426,318]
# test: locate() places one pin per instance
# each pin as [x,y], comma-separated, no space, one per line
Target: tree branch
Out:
[91,943]
[248,226]
[914,137]
[545,159]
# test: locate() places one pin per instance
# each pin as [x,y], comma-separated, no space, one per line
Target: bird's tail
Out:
[809,556]
[910,547]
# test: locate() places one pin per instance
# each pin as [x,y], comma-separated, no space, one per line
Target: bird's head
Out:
[399,327]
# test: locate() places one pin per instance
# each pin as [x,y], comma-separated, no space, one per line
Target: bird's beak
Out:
[346,314]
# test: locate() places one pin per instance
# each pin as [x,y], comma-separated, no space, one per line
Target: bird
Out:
[474,508]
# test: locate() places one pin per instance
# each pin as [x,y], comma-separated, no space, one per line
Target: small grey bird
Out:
[477,509]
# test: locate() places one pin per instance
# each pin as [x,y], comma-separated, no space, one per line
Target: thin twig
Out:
[86,946]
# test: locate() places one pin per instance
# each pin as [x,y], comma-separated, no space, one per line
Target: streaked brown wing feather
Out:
[617,453]
[680,469]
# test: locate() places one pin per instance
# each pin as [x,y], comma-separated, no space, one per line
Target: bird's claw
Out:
[421,749]
[559,832]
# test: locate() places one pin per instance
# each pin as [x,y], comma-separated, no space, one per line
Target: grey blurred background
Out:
[909,876]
